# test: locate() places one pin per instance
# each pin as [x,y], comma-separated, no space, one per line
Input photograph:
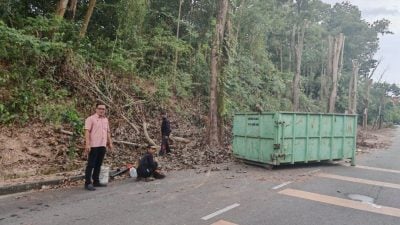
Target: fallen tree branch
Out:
[146,134]
[60,130]
[179,139]
[132,125]
[128,143]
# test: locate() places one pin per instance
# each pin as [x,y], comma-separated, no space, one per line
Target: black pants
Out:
[95,159]
[164,145]
[147,171]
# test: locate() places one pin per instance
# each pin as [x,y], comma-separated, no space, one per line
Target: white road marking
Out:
[223,222]
[378,169]
[362,181]
[281,185]
[389,211]
[220,211]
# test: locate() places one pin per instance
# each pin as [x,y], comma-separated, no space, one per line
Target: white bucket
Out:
[133,172]
[104,174]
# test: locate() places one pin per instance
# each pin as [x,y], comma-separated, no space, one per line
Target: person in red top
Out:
[97,138]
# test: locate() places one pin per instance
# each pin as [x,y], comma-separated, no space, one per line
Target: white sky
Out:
[389,44]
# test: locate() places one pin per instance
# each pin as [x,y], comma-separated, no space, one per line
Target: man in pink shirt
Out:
[97,138]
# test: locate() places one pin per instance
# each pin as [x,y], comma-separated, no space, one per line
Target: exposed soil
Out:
[372,140]
[39,152]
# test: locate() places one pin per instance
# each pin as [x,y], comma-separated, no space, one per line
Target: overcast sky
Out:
[389,44]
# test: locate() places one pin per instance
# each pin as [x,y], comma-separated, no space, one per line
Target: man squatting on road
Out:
[148,167]
[97,137]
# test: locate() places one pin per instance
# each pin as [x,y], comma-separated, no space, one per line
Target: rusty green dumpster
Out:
[288,137]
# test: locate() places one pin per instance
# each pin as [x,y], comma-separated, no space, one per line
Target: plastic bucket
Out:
[104,174]
[133,172]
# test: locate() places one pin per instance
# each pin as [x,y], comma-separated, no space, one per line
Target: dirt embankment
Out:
[40,152]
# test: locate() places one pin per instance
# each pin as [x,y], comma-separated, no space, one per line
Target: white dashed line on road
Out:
[378,169]
[281,185]
[220,211]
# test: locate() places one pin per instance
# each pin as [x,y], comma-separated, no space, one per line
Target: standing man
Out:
[97,137]
[165,132]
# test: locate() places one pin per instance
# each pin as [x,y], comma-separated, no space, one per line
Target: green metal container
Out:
[287,137]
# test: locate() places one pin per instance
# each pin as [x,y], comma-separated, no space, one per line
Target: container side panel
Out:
[326,126]
[348,147]
[336,148]
[253,126]
[289,123]
[349,132]
[299,149]
[267,148]
[300,124]
[325,148]
[239,125]
[253,149]
[313,148]
[338,128]
[313,126]
[267,126]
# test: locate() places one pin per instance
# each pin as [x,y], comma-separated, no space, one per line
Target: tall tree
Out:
[215,63]
[299,54]
[368,82]
[353,87]
[338,46]
[61,8]
[89,12]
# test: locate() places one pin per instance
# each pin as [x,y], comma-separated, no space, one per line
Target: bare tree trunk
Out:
[353,97]
[281,57]
[368,83]
[215,60]
[296,80]
[72,7]
[365,117]
[177,37]
[292,48]
[337,48]
[322,88]
[351,86]
[61,8]
[89,12]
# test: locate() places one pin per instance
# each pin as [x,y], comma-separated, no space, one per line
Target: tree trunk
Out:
[353,97]
[292,47]
[89,12]
[72,7]
[61,8]
[365,117]
[215,61]
[368,83]
[336,55]
[296,79]
[176,51]
[281,56]
[350,102]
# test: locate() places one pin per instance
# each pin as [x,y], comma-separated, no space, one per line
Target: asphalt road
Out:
[312,194]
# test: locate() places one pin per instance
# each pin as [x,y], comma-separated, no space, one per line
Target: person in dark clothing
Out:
[165,132]
[148,167]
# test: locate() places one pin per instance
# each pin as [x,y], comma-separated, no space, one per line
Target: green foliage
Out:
[163,90]
[72,117]
[139,38]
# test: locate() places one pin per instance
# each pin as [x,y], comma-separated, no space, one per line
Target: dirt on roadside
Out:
[372,140]
[38,152]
